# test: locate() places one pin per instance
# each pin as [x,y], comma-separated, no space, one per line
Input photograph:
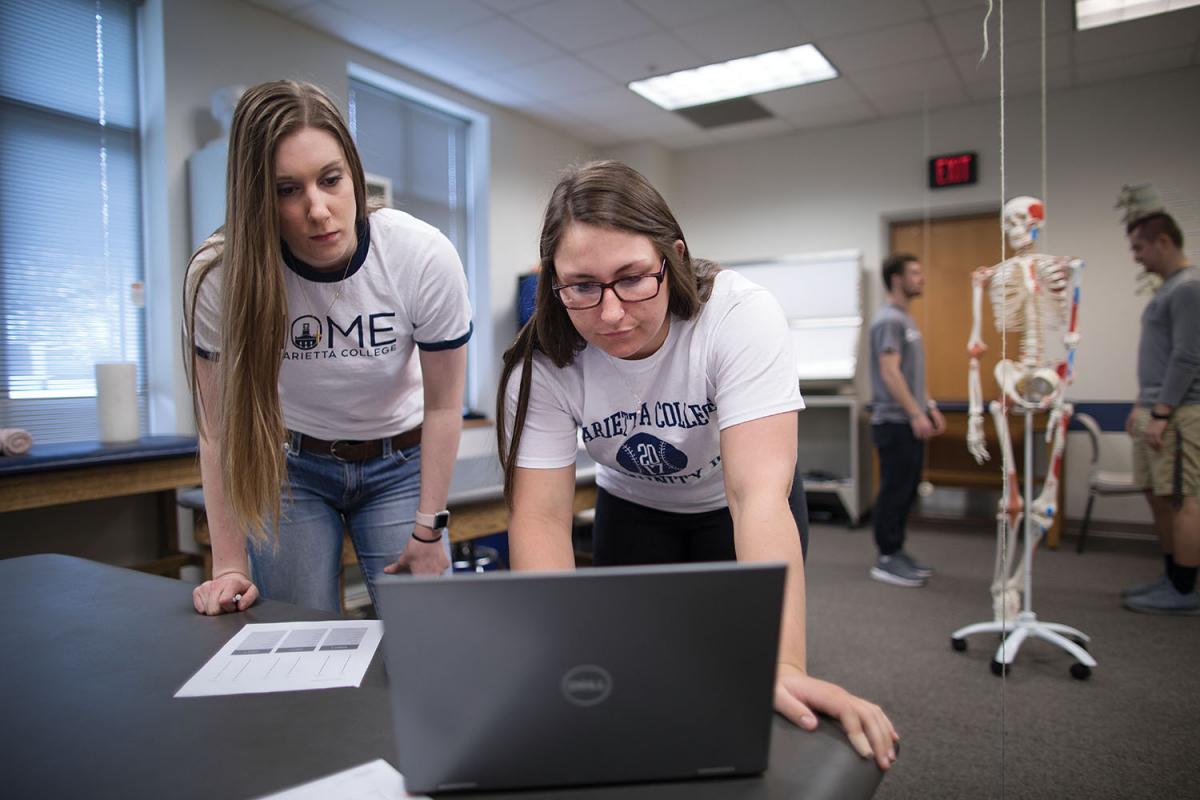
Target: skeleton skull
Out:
[1023,220]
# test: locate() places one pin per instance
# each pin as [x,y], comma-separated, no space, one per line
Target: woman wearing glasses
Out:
[681,380]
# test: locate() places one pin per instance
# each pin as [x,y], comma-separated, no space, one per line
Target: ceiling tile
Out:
[509,6]
[855,16]
[653,126]
[912,42]
[556,77]
[988,88]
[1022,58]
[687,141]
[607,106]
[434,63]
[1129,66]
[751,130]
[492,45]
[1164,32]
[349,28]
[833,115]
[676,13]
[914,102]
[496,92]
[788,102]
[642,57]
[963,31]
[417,18]
[576,24]
[936,75]
[729,36]
[282,6]
[946,6]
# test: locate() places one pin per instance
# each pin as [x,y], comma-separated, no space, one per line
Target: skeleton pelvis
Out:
[1028,387]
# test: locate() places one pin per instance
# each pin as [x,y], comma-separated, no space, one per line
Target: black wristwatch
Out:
[1155,415]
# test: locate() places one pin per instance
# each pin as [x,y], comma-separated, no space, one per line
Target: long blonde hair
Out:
[254,296]
[608,194]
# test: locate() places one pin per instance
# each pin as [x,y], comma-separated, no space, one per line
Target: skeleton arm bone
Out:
[976,442]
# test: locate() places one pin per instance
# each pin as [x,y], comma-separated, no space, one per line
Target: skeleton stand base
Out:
[1026,624]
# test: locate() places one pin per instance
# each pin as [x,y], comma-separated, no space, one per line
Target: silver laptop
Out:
[626,674]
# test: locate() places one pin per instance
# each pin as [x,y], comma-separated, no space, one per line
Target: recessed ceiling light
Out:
[1094,13]
[765,72]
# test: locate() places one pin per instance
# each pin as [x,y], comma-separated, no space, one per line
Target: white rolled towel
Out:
[15,442]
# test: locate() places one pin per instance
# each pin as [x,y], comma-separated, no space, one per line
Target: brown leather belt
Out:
[352,450]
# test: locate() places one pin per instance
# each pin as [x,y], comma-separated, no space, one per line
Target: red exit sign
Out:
[958,169]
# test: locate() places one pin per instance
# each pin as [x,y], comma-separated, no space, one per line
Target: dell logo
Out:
[587,685]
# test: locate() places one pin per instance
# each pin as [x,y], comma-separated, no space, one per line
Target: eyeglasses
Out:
[633,289]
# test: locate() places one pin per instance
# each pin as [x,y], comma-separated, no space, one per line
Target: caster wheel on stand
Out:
[1080,672]
[959,645]
[1000,668]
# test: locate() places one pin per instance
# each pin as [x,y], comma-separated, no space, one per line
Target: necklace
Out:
[616,367]
[341,285]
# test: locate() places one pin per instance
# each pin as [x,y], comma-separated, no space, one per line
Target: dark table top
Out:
[91,656]
[71,455]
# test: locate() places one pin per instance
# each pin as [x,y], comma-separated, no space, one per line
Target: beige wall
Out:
[838,188]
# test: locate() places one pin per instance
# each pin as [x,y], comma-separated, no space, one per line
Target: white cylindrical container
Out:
[116,401]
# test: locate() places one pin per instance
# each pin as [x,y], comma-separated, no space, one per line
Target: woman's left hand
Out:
[421,558]
[799,697]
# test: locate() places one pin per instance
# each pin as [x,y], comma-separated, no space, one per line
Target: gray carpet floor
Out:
[1130,731]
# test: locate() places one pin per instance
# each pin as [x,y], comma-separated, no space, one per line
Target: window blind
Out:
[70,211]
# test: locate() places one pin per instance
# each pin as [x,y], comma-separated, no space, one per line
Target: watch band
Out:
[1155,415]
[435,521]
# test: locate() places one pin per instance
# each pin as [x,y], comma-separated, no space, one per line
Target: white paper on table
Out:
[288,657]
[377,780]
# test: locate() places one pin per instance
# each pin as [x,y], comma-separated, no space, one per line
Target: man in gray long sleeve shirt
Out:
[1165,421]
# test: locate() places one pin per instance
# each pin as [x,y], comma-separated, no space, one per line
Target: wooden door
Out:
[949,254]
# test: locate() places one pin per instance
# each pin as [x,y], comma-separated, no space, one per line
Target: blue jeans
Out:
[375,500]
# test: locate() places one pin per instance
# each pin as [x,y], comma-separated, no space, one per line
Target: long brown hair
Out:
[253,293]
[608,194]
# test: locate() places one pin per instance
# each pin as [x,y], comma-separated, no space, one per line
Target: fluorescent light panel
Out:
[765,72]
[1095,13]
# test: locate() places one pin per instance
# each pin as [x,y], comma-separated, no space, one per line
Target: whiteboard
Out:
[821,295]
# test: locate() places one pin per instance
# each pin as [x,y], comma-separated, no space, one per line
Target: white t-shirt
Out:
[350,368]
[653,425]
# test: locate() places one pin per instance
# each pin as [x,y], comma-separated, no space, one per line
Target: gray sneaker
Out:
[917,567]
[1165,600]
[896,570]
[1146,588]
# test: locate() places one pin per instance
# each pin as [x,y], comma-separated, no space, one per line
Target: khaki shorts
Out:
[1155,469]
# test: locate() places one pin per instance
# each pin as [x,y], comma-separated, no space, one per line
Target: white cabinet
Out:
[833,451]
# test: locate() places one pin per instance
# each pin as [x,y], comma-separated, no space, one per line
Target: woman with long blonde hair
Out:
[326,346]
[680,379]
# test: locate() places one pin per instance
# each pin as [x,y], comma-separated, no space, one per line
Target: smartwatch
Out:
[435,521]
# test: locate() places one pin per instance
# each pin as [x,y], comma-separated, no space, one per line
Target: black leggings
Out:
[629,533]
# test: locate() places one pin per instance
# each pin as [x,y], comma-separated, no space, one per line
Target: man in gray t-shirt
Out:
[901,418]
[1165,421]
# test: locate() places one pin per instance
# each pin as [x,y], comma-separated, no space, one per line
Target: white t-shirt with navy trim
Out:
[653,425]
[350,367]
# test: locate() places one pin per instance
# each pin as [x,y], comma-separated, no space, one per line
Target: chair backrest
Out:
[1093,430]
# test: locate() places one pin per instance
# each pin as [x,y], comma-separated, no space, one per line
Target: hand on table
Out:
[799,697]
[224,594]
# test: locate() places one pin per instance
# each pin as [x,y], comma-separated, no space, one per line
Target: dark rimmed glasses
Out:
[632,289]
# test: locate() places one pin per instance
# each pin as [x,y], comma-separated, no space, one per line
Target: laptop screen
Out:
[624,674]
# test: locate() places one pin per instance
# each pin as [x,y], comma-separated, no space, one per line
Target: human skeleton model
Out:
[1036,295]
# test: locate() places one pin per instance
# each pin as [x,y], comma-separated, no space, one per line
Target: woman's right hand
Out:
[229,592]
